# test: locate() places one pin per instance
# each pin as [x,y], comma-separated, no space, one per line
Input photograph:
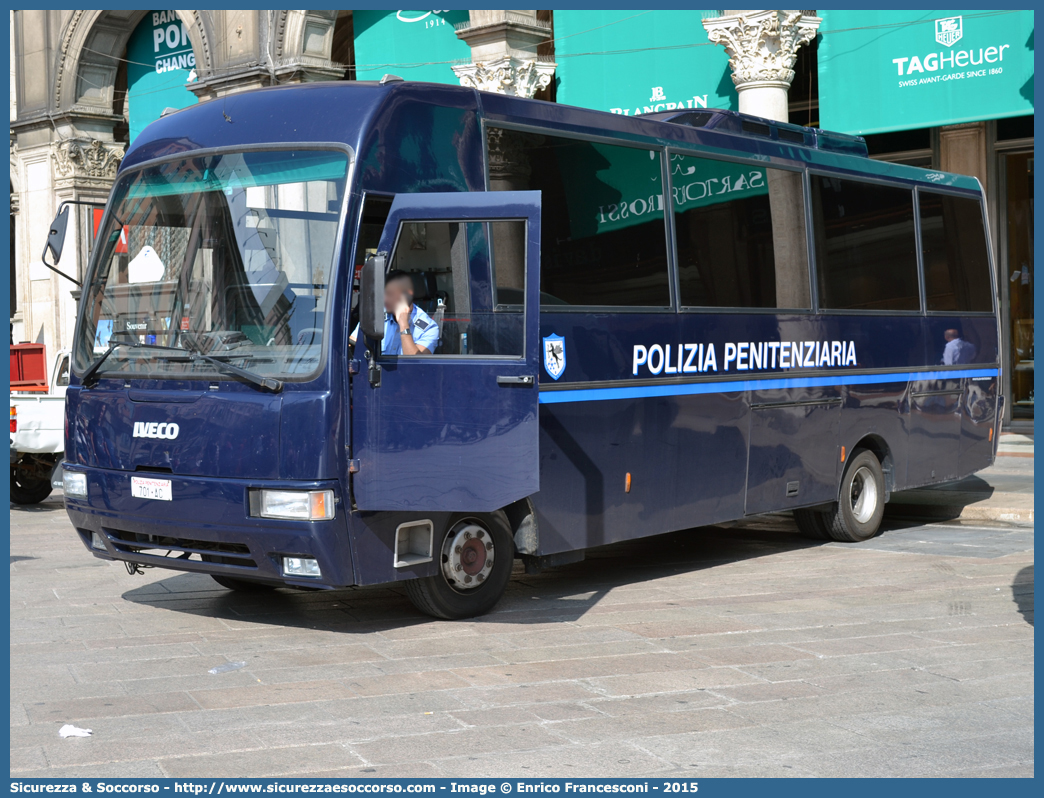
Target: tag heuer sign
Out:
[949,31]
[937,67]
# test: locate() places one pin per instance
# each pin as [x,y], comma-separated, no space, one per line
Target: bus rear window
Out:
[956,264]
[866,250]
[603,235]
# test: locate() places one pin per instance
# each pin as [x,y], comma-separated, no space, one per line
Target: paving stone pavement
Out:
[726,651]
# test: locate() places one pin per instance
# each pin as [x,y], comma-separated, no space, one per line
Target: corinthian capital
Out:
[508,75]
[762,45]
[85,159]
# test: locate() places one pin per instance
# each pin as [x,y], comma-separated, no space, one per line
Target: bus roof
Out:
[346,112]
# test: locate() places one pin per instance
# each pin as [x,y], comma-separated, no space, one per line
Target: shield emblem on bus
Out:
[949,31]
[554,355]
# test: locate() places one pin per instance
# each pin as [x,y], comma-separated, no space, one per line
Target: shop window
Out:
[1019,277]
[866,250]
[956,261]
[603,233]
[741,235]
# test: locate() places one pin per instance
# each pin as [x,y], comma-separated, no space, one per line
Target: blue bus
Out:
[358,333]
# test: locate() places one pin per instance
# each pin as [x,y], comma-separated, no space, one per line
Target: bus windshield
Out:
[229,254]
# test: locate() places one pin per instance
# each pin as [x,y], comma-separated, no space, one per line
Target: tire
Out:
[467,584]
[243,585]
[811,524]
[27,487]
[860,507]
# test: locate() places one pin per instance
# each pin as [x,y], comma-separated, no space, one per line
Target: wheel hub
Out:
[863,495]
[467,556]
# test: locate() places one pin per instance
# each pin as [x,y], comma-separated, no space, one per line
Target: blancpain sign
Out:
[661,102]
[950,64]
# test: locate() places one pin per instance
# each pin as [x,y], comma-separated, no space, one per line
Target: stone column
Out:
[84,170]
[762,48]
[504,53]
[509,170]
[504,60]
[963,150]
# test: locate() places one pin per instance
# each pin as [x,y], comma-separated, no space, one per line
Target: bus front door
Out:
[455,427]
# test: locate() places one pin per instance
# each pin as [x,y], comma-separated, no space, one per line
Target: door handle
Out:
[526,379]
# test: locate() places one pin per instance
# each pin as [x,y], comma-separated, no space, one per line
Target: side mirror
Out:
[56,236]
[371,297]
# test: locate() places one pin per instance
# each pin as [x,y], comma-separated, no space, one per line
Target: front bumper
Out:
[207,528]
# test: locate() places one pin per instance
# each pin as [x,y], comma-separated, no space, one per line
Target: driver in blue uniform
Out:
[408,330]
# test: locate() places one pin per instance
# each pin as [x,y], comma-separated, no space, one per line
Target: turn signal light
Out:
[318,503]
[14,419]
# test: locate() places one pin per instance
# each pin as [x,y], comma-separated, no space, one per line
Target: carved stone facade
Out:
[504,53]
[507,76]
[68,123]
[762,48]
[86,160]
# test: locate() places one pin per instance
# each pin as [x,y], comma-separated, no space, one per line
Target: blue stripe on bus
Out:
[694,388]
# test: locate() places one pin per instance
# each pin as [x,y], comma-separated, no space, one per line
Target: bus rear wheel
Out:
[475,559]
[857,515]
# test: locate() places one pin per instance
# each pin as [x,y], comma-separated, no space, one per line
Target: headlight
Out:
[298,505]
[74,484]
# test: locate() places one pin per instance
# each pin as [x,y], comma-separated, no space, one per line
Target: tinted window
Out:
[449,265]
[956,266]
[741,235]
[603,239]
[866,252]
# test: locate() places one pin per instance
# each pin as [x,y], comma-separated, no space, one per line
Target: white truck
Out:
[38,435]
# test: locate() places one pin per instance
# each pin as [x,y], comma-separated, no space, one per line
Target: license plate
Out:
[146,488]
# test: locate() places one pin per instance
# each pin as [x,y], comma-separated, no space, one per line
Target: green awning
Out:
[899,70]
[640,62]
[415,45]
[159,62]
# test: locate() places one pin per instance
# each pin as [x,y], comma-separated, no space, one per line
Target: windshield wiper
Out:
[267,383]
[88,376]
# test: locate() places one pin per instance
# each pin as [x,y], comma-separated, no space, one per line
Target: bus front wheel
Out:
[857,515]
[475,559]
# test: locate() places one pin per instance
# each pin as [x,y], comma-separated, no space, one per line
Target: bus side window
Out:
[956,263]
[741,235]
[451,268]
[603,239]
[866,250]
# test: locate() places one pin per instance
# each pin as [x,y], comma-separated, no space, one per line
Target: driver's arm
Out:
[409,346]
[422,338]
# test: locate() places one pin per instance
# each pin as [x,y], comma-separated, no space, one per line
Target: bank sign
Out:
[640,62]
[160,61]
[885,70]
